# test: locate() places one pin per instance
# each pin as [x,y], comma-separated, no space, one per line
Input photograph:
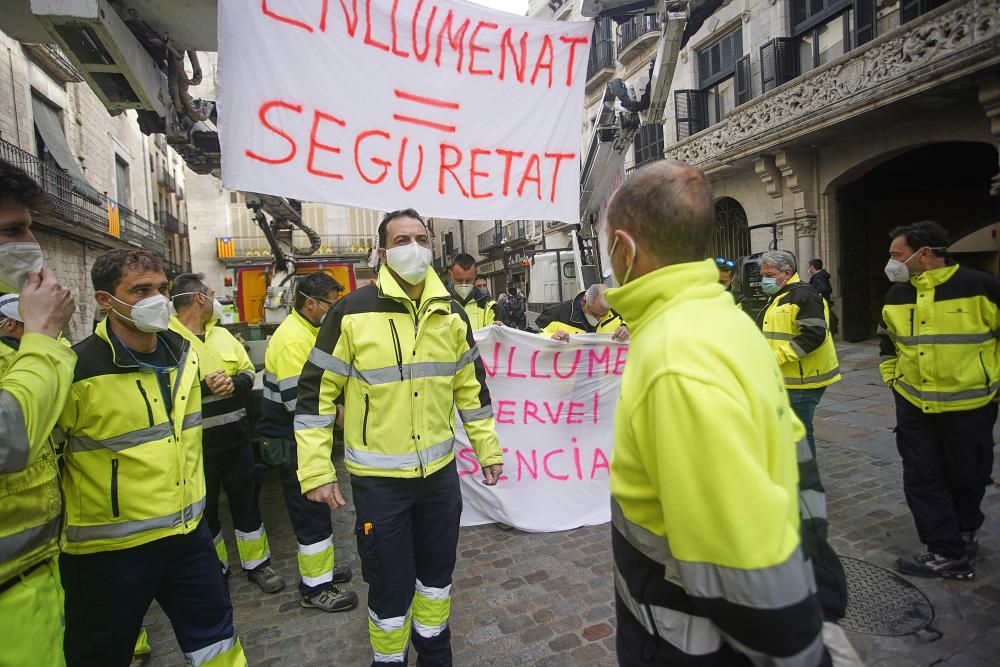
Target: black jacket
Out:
[821,283]
[568,312]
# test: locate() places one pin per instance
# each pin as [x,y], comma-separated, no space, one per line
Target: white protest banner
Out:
[554,405]
[445,106]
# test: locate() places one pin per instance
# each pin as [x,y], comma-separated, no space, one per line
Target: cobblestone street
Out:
[546,599]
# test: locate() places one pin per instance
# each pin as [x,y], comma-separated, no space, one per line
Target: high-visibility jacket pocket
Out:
[114,489]
[371,564]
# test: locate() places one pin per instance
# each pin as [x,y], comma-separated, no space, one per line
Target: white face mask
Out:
[591,319]
[897,271]
[628,270]
[151,314]
[216,311]
[16,260]
[410,262]
[463,291]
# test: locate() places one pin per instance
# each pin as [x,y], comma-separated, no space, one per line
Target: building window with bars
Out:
[648,145]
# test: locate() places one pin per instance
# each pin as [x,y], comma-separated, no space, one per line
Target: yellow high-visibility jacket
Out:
[796,324]
[287,351]
[939,333]
[132,471]
[704,479]
[480,307]
[34,383]
[224,420]
[402,369]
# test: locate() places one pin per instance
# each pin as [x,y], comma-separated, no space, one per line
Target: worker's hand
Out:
[46,306]
[340,417]
[561,335]
[621,334]
[780,356]
[491,474]
[329,494]
[498,323]
[219,383]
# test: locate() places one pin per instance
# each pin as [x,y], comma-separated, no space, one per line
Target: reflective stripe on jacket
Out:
[704,480]
[132,473]
[34,383]
[796,324]
[402,370]
[939,335]
[224,419]
[287,351]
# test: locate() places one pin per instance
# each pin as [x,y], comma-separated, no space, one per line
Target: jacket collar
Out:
[934,277]
[477,295]
[302,320]
[434,290]
[642,299]
[123,359]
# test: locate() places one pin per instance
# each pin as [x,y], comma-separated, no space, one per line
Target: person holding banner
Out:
[402,355]
[587,312]
[481,309]
[705,513]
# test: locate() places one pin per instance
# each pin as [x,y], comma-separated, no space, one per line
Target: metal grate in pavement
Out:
[881,603]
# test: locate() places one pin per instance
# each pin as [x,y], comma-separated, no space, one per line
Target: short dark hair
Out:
[924,233]
[392,215]
[316,286]
[667,205]
[16,185]
[464,261]
[816,264]
[108,269]
[185,284]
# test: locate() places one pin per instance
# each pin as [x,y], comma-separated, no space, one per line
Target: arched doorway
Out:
[731,239]
[948,183]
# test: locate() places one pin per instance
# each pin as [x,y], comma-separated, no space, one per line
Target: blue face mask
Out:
[770,286]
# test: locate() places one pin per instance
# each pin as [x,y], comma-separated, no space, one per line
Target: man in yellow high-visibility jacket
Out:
[478,305]
[705,510]
[402,355]
[287,351]
[134,481]
[227,377]
[587,312]
[34,382]
[940,355]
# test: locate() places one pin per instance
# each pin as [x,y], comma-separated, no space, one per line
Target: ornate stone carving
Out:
[887,64]
[805,227]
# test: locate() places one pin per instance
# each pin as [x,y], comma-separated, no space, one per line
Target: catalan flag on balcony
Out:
[114,222]
[225,248]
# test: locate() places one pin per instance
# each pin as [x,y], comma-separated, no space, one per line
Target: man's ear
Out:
[103,300]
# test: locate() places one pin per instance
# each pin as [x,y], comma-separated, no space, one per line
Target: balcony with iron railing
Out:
[601,64]
[489,240]
[636,31]
[172,224]
[347,247]
[165,177]
[80,205]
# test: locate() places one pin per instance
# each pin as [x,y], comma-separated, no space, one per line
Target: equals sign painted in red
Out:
[429,102]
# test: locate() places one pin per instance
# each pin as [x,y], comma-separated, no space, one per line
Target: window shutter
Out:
[744,88]
[864,22]
[689,108]
[778,63]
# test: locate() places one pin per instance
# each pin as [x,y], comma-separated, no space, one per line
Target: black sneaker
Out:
[929,564]
[970,542]
[341,575]
[267,579]
[332,599]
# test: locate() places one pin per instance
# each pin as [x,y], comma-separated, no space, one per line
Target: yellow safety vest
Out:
[939,333]
[796,324]
[287,350]
[402,369]
[704,477]
[566,317]
[480,316]
[34,383]
[132,473]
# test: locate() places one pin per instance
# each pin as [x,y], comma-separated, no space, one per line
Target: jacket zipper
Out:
[986,375]
[114,488]
[913,312]
[149,408]
[399,349]
[364,424]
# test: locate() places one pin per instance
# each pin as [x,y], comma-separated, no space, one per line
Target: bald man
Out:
[708,565]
